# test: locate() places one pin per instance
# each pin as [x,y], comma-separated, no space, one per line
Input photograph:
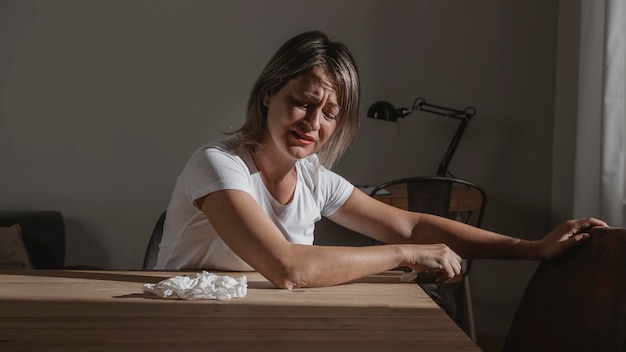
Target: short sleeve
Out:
[331,190]
[338,193]
[211,169]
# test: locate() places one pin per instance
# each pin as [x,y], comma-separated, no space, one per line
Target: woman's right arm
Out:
[245,228]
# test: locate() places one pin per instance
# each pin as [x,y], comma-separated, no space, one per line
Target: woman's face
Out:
[301,116]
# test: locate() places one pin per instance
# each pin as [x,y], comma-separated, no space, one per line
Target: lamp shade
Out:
[383,110]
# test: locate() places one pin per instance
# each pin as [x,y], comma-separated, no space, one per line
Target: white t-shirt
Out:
[189,240]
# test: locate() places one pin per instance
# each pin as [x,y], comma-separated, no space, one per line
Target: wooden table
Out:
[107,311]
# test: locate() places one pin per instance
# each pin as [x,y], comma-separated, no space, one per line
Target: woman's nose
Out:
[313,118]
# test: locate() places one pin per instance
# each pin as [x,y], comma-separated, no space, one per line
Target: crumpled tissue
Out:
[202,285]
[409,276]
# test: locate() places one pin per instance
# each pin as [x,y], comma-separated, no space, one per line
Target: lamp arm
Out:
[385,111]
[445,162]
[421,104]
[463,115]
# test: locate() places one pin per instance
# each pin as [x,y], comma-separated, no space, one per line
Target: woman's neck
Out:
[279,178]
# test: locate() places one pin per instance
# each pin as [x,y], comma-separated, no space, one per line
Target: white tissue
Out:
[202,285]
[409,276]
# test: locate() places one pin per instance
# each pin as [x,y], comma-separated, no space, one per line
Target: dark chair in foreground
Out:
[43,234]
[152,251]
[576,302]
[455,199]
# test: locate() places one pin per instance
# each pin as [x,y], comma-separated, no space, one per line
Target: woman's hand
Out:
[439,259]
[565,236]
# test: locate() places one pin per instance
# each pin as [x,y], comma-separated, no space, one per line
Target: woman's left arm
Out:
[388,224]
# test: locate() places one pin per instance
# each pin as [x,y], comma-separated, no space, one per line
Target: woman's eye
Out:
[306,106]
[300,104]
[330,116]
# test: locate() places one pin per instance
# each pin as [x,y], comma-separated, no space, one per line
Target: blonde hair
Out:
[299,54]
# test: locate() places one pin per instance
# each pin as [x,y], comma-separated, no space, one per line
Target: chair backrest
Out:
[576,302]
[438,195]
[152,251]
[434,195]
[43,233]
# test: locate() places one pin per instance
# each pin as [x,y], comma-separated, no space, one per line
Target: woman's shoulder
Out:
[220,153]
[312,171]
[229,144]
[309,164]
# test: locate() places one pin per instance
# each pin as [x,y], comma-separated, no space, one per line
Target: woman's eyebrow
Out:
[311,95]
[317,97]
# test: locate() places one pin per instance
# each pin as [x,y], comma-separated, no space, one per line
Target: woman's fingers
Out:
[567,235]
[585,223]
[439,259]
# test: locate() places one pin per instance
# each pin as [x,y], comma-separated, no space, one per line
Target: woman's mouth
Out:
[303,138]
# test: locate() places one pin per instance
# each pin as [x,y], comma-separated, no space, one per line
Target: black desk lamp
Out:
[383,110]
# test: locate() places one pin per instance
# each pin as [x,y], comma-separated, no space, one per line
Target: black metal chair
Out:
[436,195]
[152,251]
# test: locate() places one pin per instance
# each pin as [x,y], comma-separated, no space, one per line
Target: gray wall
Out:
[101,102]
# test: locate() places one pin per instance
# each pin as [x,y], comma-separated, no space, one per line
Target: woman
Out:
[250,201]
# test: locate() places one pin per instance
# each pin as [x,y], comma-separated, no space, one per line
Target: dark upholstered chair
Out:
[576,302]
[43,233]
[152,251]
